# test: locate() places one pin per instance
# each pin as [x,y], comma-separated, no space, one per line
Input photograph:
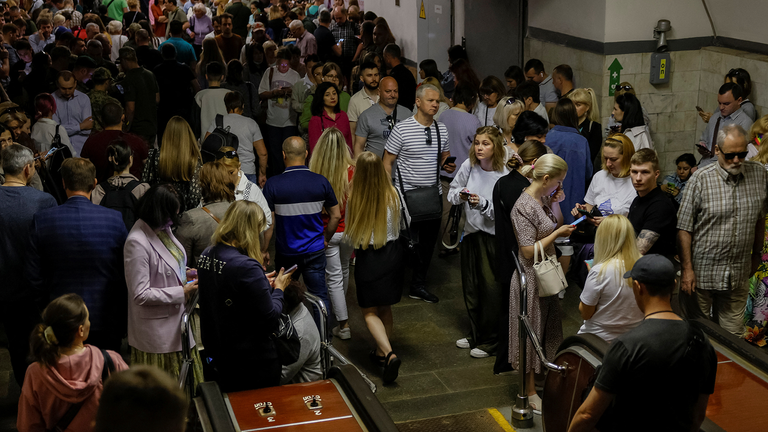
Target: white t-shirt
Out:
[279,112]
[247,132]
[617,312]
[611,195]
[485,114]
[211,102]
[542,111]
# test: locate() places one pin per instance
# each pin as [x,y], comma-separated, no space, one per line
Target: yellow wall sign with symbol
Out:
[663,69]
[422,13]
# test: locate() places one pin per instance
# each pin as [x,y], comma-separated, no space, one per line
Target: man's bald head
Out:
[294,151]
[388,92]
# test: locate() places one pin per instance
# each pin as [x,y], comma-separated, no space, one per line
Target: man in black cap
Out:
[83,70]
[662,357]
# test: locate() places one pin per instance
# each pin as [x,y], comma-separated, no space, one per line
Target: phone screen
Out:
[579,220]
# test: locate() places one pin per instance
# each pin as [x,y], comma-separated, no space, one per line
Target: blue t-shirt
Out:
[297,197]
[17,207]
[184,51]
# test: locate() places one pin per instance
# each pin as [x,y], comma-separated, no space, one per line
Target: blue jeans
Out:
[312,267]
[254,178]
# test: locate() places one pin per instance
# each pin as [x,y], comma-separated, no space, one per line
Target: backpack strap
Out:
[219,121]
[109,366]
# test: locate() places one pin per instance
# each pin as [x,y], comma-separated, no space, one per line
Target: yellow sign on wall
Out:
[663,68]
[422,13]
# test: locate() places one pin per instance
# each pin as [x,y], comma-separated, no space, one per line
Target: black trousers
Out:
[482,295]
[19,318]
[426,232]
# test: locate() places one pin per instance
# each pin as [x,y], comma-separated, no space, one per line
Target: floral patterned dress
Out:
[190,191]
[756,314]
[533,222]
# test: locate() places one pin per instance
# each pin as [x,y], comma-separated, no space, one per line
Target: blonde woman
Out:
[536,217]
[239,304]
[611,189]
[473,188]
[373,228]
[177,162]
[244,188]
[505,118]
[589,118]
[443,100]
[331,159]
[607,303]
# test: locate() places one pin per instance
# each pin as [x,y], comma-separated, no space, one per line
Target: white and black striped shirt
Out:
[416,159]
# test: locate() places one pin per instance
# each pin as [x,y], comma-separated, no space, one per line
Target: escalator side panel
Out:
[563,395]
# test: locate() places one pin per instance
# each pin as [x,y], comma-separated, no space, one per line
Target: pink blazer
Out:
[155,292]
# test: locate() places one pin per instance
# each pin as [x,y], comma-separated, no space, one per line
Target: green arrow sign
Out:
[615,72]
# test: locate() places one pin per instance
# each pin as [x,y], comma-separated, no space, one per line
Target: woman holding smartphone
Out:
[537,218]
[473,187]
[240,304]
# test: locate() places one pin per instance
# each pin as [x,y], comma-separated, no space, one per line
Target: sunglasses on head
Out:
[231,154]
[734,72]
[619,87]
[510,101]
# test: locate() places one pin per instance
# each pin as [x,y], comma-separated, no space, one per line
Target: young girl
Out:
[674,184]
[473,187]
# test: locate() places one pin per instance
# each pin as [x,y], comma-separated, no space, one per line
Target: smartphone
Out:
[450,159]
[579,220]
[50,152]
[292,269]
[671,185]
[698,108]
[585,213]
[192,281]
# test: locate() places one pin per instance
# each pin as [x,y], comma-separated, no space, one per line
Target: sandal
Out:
[376,359]
[391,368]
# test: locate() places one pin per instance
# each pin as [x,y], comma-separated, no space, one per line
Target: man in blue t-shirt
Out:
[19,310]
[297,198]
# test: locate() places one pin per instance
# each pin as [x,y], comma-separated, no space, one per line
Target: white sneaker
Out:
[478,353]
[342,334]
[462,343]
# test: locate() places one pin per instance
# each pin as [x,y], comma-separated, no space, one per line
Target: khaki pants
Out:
[727,307]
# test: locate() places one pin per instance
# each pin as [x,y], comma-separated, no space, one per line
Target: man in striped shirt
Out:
[297,198]
[414,144]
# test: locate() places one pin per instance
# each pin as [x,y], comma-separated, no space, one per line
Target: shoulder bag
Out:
[549,272]
[425,203]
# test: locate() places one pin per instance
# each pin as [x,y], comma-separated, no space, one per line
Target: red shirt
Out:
[340,228]
[317,124]
[95,149]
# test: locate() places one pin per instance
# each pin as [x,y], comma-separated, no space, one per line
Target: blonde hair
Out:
[59,20]
[179,154]
[624,145]
[370,202]
[240,228]
[529,151]
[433,81]
[274,13]
[549,164]
[232,164]
[762,154]
[132,3]
[615,245]
[587,97]
[499,153]
[331,159]
[504,110]
[758,127]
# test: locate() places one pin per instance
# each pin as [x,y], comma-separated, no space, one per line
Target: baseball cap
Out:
[259,26]
[653,269]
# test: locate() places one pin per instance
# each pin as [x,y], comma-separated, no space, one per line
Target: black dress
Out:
[505,195]
[593,132]
[379,273]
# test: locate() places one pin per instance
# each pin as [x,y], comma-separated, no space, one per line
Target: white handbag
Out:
[549,272]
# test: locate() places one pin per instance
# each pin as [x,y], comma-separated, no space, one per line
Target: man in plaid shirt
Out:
[344,32]
[722,228]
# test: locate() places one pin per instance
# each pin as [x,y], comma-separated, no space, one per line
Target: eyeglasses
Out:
[428,134]
[730,156]
[619,87]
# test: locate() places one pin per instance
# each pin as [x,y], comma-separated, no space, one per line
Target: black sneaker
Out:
[421,293]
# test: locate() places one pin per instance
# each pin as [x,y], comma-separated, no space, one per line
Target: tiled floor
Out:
[436,378]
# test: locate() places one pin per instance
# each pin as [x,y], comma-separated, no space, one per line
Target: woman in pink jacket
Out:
[159,284]
[66,372]
[326,112]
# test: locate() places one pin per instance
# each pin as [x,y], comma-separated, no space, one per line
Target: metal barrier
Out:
[186,374]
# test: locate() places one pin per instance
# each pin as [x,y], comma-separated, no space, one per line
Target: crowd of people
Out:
[151,152]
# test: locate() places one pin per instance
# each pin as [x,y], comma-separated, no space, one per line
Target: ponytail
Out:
[119,155]
[527,153]
[61,320]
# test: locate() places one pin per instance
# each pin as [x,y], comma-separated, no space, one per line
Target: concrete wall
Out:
[632,20]
[695,77]
[581,18]
[402,21]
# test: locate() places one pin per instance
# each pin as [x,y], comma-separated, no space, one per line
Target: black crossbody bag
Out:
[425,203]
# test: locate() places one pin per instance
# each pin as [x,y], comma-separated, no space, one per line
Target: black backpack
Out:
[220,137]
[122,200]
[50,172]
